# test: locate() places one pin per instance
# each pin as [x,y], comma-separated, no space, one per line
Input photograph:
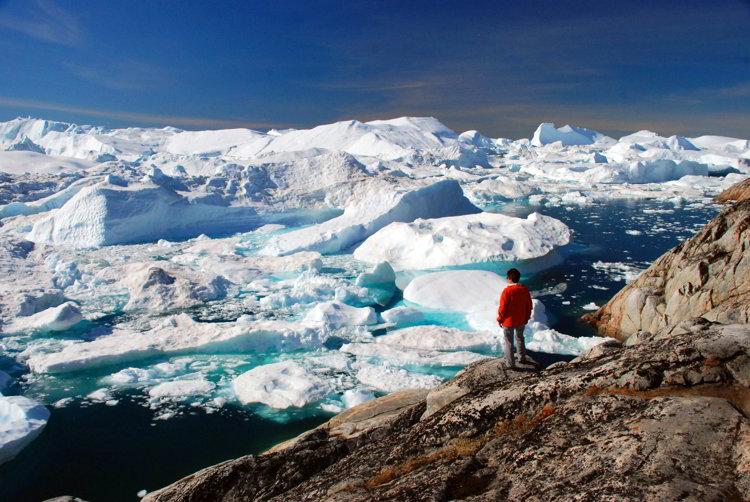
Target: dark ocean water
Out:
[108,453]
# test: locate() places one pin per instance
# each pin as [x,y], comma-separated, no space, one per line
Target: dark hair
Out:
[514,275]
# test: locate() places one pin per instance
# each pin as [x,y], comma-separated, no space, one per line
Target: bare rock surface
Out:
[707,275]
[665,418]
[738,191]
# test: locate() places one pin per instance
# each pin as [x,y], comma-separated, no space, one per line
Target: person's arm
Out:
[501,309]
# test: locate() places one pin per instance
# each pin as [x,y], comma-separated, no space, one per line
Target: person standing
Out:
[513,314]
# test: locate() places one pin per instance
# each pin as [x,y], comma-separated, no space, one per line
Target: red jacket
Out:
[515,306]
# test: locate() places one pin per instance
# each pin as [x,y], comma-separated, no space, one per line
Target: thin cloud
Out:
[46,21]
[121,75]
[700,96]
[739,90]
[138,117]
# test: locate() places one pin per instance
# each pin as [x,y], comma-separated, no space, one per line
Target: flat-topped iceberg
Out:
[365,217]
[439,338]
[21,420]
[459,240]
[280,385]
[106,214]
[456,290]
[389,379]
[177,335]
[568,135]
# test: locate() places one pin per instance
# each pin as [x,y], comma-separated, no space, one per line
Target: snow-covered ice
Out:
[367,216]
[567,135]
[456,290]
[389,379]
[460,240]
[178,334]
[21,421]
[336,315]
[280,385]
[57,318]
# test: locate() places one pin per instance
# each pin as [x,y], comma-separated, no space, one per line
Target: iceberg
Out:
[460,240]
[402,315]
[439,338]
[178,334]
[20,162]
[457,290]
[57,318]
[389,379]
[401,356]
[104,215]
[280,385]
[365,217]
[21,421]
[336,315]
[161,287]
[568,135]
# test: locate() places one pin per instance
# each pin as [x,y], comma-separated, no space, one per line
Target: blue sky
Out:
[502,67]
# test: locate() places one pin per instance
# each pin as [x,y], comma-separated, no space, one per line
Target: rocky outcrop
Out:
[738,191]
[707,275]
[664,418]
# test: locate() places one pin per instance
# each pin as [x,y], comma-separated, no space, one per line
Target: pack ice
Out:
[206,267]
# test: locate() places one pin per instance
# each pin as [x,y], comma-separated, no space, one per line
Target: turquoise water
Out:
[109,453]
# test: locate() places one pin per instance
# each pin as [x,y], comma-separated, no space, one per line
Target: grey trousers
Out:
[508,343]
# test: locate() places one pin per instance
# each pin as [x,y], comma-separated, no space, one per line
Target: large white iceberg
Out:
[280,385]
[460,240]
[108,214]
[456,290]
[365,217]
[21,421]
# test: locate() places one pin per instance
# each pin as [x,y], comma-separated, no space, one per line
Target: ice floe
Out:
[389,379]
[176,335]
[57,318]
[456,290]
[21,421]
[280,385]
[336,315]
